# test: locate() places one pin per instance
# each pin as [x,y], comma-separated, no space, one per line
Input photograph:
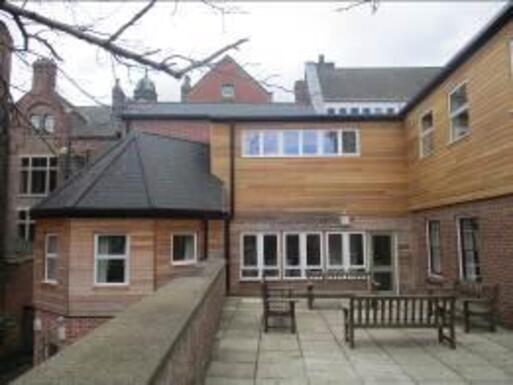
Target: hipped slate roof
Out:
[94,121]
[372,84]
[144,175]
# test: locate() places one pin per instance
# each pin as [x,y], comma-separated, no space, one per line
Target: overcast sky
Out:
[283,36]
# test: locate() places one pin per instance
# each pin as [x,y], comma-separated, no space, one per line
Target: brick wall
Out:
[495,218]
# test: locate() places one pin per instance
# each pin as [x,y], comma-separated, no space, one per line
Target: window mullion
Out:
[346,251]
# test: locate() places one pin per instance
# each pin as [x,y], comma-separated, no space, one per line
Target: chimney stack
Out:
[186,87]
[45,74]
[118,99]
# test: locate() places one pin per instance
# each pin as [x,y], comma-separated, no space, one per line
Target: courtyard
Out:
[317,354]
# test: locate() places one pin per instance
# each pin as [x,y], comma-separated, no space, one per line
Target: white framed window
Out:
[43,123]
[228,91]
[354,111]
[111,256]
[303,252]
[378,111]
[301,143]
[331,111]
[38,174]
[345,250]
[342,111]
[184,248]
[366,111]
[259,256]
[26,226]
[434,247]
[390,110]
[459,112]
[51,258]
[426,134]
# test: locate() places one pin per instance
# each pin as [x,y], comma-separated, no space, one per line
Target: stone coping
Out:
[134,346]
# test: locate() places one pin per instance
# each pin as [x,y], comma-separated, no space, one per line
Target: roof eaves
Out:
[462,56]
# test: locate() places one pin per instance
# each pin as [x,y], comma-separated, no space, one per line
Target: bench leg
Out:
[452,332]
[493,321]
[466,317]
[310,296]
[292,318]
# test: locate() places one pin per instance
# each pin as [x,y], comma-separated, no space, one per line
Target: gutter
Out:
[227,221]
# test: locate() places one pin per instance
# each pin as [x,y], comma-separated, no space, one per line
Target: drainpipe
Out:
[227,221]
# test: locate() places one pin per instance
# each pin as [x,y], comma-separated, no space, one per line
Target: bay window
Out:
[259,256]
[111,259]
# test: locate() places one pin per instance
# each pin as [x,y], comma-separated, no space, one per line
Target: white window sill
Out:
[458,139]
[104,285]
[50,282]
[183,263]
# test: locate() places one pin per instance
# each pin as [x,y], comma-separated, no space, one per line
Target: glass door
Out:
[382,261]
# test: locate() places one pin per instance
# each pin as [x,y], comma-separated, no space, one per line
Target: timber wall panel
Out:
[479,165]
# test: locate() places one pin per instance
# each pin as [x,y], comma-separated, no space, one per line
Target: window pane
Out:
[458,98]
[49,123]
[291,142]
[335,246]
[31,231]
[342,111]
[378,111]
[110,271]
[53,162]
[469,233]
[228,91]
[35,120]
[390,110]
[330,142]
[313,250]
[51,268]
[366,111]
[270,143]
[39,162]
[112,245]
[183,247]
[252,143]
[250,273]
[21,231]
[349,142]
[38,182]
[434,247]
[25,162]
[53,180]
[250,250]
[24,182]
[310,142]
[427,144]
[22,214]
[270,250]
[356,257]
[355,110]
[292,249]
[460,125]
[51,244]
[426,122]
[331,111]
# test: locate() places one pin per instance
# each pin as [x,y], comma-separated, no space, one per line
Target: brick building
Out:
[225,82]
[280,190]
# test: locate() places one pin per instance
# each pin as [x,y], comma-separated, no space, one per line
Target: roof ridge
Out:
[120,150]
[143,171]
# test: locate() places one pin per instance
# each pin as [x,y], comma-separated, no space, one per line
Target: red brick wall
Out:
[186,129]
[227,71]
[76,328]
[495,218]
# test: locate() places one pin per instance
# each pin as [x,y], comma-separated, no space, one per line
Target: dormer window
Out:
[43,123]
[228,92]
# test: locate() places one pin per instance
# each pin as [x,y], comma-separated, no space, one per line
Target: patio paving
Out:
[317,354]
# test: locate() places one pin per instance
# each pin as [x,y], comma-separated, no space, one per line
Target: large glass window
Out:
[293,255]
[305,143]
[51,257]
[38,175]
[259,256]
[303,252]
[183,249]
[469,248]
[335,250]
[111,259]
[434,247]
[356,251]
[459,112]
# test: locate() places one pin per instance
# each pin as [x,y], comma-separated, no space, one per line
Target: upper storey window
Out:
[43,123]
[38,175]
[227,92]
[426,134]
[459,112]
[304,143]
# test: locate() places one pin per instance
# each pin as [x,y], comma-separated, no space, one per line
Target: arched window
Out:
[43,123]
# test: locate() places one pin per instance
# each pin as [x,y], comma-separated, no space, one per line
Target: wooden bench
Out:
[477,300]
[278,303]
[400,312]
[319,282]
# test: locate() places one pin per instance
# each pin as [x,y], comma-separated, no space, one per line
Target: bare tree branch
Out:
[373,3]
[132,21]
[110,46]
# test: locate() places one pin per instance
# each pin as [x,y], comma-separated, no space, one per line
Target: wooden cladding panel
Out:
[87,298]
[479,165]
[373,183]
[49,296]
